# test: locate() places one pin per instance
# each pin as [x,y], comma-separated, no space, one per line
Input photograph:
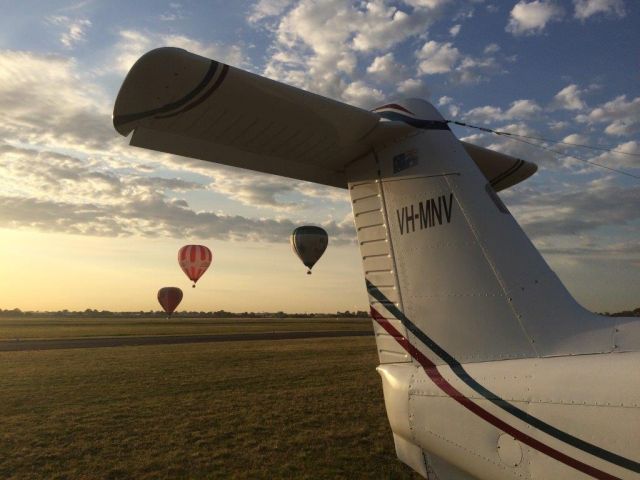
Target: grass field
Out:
[77,327]
[265,409]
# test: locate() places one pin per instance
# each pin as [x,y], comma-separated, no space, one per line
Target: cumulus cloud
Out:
[527,18]
[267,8]
[318,45]
[586,8]
[361,94]
[413,87]
[437,57]
[622,116]
[75,29]
[625,155]
[576,138]
[455,30]
[429,4]
[381,26]
[474,70]
[569,98]
[74,113]
[132,44]
[519,109]
[385,67]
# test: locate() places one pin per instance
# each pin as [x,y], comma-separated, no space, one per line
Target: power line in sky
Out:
[521,138]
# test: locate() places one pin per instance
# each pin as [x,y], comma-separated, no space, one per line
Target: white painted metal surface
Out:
[178,102]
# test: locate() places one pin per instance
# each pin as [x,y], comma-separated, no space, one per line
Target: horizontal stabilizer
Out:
[181,103]
[502,171]
[178,102]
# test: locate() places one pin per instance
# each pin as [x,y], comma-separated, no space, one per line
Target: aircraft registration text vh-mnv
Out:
[490,369]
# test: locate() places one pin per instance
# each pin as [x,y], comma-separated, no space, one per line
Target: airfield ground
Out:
[12,328]
[308,408]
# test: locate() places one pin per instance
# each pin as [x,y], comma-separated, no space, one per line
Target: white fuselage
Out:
[568,412]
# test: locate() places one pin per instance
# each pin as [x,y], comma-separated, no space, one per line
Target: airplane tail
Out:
[443,256]
[452,278]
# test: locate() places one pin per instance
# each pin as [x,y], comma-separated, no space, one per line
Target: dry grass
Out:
[279,409]
[60,327]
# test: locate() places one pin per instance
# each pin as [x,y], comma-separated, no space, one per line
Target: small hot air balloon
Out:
[194,261]
[169,298]
[309,243]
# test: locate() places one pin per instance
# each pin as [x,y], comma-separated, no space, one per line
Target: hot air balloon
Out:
[309,243]
[194,261]
[169,298]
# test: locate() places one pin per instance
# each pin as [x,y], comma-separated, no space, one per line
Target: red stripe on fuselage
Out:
[432,372]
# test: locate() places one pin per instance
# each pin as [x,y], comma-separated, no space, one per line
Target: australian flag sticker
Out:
[405,160]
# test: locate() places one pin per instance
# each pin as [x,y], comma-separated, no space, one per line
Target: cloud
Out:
[590,249]
[49,175]
[413,88]
[528,18]
[576,138]
[558,124]
[582,209]
[491,48]
[622,116]
[256,190]
[474,70]
[586,8]
[569,98]
[385,67]
[267,8]
[363,95]
[455,30]
[437,57]
[174,13]
[381,26]
[54,192]
[150,217]
[429,4]
[319,45]
[626,155]
[132,44]
[75,30]
[519,109]
[452,107]
[64,107]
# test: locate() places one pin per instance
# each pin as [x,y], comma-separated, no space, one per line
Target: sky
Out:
[88,222]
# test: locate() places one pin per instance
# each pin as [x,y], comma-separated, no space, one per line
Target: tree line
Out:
[92,312]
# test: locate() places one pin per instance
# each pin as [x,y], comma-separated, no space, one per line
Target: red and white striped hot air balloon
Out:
[194,261]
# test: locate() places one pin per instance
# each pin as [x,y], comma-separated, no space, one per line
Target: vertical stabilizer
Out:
[445,260]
